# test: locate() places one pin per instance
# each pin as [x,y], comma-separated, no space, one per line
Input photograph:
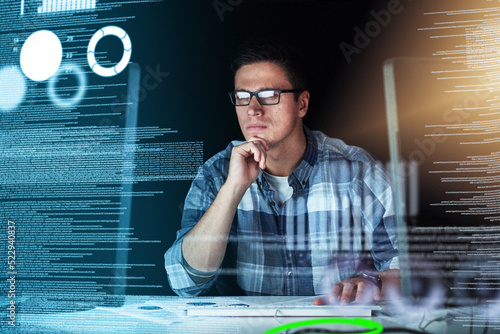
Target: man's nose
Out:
[254,108]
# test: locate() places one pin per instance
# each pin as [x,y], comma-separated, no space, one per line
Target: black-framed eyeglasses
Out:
[265,97]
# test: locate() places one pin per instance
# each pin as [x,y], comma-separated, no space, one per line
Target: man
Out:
[289,211]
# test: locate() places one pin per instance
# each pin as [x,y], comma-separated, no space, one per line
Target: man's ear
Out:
[303,103]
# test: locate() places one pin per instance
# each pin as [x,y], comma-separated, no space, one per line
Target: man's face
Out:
[276,124]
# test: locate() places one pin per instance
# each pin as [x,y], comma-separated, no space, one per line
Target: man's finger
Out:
[254,151]
[345,298]
[367,293]
[322,301]
[377,294]
[259,141]
[335,293]
[259,154]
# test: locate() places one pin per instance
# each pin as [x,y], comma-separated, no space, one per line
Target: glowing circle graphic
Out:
[41,55]
[80,93]
[12,87]
[371,326]
[127,51]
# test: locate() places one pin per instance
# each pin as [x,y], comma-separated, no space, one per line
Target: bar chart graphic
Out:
[53,6]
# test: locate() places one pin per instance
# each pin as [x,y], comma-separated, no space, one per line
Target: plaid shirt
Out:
[341,210]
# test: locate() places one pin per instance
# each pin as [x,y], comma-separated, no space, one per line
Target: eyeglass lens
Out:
[264,97]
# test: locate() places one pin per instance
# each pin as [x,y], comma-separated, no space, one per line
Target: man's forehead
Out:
[261,75]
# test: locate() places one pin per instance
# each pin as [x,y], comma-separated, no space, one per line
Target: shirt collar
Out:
[302,173]
[304,170]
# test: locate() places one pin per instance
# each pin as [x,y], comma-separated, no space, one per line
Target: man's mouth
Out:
[256,127]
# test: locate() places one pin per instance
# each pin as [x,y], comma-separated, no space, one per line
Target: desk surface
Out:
[153,314]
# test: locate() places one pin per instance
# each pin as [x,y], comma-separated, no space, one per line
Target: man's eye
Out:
[242,95]
[266,93]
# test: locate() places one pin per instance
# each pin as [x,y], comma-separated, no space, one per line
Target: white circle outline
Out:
[82,84]
[127,51]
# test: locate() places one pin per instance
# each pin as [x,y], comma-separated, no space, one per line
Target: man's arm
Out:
[364,287]
[203,247]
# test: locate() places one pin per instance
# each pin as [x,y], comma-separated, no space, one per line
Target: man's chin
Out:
[250,137]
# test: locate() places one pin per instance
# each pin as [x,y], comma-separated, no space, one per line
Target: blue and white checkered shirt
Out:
[341,210]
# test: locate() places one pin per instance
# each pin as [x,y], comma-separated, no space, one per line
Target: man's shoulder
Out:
[334,148]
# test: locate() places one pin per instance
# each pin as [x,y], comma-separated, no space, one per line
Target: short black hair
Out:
[284,55]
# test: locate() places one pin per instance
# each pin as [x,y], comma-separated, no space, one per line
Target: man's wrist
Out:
[372,277]
[234,190]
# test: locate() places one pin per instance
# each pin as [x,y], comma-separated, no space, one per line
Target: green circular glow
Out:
[372,326]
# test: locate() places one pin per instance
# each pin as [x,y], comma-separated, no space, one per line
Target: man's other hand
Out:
[353,289]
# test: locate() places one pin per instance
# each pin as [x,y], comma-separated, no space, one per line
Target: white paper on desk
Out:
[134,311]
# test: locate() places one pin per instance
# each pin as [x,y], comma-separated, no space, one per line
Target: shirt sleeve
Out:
[200,196]
[379,216]
[199,277]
